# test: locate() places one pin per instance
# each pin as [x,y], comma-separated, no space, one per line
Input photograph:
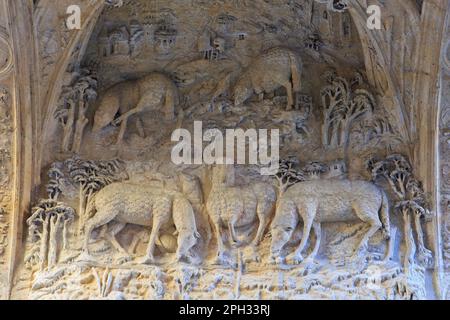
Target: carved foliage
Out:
[342,108]
[411,202]
[72,109]
[46,223]
[91,177]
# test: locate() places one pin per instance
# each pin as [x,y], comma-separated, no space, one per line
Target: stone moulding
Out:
[6,54]
[35,115]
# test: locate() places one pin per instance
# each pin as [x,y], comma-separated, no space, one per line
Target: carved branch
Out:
[66,118]
[409,239]
[425,255]
[44,243]
[80,126]
[53,244]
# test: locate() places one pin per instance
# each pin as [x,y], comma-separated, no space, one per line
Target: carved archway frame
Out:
[33,107]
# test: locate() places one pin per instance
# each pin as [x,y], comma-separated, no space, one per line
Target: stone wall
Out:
[92,205]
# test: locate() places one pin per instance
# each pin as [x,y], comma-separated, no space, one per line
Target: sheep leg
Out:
[128,114]
[123,119]
[149,257]
[306,232]
[100,219]
[374,225]
[140,127]
[263,223]
[161,213]
[111,236]
[232,230]
[123,129]
[308,215]
[290,95]
[318,233]
[136,239]
[220,246]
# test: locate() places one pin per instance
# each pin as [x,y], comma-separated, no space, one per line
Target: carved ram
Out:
[321,201]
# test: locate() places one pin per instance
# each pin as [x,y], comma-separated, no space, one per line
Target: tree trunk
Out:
[346,142]
[67,137]
[68,129]
[53,241]
[81,210]
[425,255]
[86,199]
[43,245]
[334,141]
[65,235]
[325,133]
[343,136]
[409,241]
[79,130]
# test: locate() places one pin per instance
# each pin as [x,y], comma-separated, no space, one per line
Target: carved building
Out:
[92,205]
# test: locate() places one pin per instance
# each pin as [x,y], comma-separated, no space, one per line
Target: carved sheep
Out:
[276,68]
[152,92]
[238,206]
[320,201]
[126,203]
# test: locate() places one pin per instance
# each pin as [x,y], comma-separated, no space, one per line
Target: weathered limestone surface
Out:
[92,207]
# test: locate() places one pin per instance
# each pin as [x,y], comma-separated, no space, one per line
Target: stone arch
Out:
[378,69]
[29,148]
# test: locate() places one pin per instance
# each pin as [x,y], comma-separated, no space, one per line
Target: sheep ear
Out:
[175,233]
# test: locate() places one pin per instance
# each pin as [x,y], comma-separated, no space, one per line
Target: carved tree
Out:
[411,203]
[287,175]
[378,131]
[65,114]
[92,176]
[56,175]
[86,88]
[45,224]
[334,97]
[72,108]
[79,174]
[342,107]
[362,103]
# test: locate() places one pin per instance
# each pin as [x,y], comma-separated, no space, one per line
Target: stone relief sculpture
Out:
[6,53]
[338,201]
[342,108]
[112,217]
[277,68]
[153,92]
[90,177]
[411,202]
[72,109]
[45,225]
[238,206]
[147,207]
